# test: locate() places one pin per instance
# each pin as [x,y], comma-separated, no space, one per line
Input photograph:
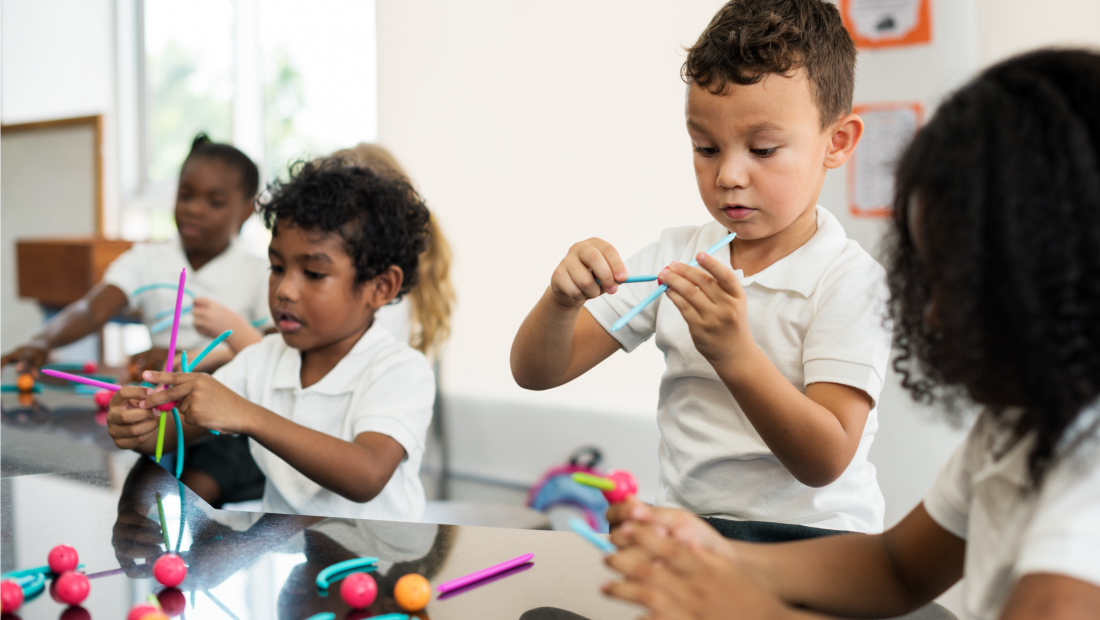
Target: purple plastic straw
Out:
[484,574]
[77,378]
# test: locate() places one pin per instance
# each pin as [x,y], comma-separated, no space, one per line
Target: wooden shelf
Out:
[59,271]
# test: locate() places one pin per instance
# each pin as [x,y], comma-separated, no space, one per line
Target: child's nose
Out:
[731,173]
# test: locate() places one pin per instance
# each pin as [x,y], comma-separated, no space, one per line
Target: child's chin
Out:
[294,339]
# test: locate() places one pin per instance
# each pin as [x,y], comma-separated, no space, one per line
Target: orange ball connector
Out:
[412,592]
[25,382]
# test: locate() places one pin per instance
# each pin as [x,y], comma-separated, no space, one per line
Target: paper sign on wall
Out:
[887,23]
[888,128]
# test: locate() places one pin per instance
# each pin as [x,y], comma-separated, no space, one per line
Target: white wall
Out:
[57,61]
[1008,27]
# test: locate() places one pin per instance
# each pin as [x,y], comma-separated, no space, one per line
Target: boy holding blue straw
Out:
[776,345]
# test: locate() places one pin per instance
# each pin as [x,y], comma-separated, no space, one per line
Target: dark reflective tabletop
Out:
[64,482]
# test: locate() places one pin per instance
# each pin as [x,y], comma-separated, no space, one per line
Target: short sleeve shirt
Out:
[234,279]
[819,314]
[1011,532]
[381,386]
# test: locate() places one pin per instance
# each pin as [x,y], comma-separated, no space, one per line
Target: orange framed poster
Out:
[887,23]
[888,128]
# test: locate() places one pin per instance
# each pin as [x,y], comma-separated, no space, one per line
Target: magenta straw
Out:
[454,584]
[176,323]
[78,379]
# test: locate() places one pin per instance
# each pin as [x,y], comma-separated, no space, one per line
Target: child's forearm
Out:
[82,317]
[542,352]
[879,576]
[345,468]
[809,439]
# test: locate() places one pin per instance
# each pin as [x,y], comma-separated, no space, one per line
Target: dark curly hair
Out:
[998,302]
[203,147]
[748,39]
[380,217]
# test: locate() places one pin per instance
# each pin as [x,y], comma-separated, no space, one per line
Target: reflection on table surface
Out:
[248,565]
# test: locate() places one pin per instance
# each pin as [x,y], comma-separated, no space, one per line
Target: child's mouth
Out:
[288,323]
[737,212]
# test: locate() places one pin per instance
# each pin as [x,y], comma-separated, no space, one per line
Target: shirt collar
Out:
[801,271]
[343,378]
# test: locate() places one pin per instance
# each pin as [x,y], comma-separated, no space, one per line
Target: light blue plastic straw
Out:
[209,348]
[631,279]
[581,527]
[198,358]
[664,287]
[166,323]
[179,443]
[149,287]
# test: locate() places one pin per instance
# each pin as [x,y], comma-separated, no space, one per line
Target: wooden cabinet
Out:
[59,271]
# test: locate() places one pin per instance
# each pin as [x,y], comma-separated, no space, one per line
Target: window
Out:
[279,80]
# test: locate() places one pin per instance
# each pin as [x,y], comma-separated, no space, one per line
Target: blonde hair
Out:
[433,297]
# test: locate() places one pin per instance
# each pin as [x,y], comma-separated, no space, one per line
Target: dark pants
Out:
[765,532]
[229,462]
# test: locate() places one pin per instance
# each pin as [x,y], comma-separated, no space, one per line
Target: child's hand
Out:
[673,580]
[27,358]
[212,318]
[574,281]
[713,304]
[202,400]
[626,517]
[128,423]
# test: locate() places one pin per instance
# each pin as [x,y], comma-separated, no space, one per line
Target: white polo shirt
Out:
[234,279]
[1009,533]
[381,386]
[819,314]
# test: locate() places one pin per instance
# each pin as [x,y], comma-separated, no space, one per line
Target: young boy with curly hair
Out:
[336,409]
[776,347]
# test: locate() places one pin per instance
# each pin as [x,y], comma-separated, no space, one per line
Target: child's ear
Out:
[846,133]
[246,212]
[386,286]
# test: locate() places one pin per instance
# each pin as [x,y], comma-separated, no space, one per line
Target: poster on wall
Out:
[887,23]
[888,128]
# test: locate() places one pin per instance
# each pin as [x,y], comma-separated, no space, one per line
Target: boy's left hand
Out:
[674,581]
[202,400]
[714,305]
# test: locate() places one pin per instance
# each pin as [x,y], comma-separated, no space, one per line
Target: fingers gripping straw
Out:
[633,312]
[166,407]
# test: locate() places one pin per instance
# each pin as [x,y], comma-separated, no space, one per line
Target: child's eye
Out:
[276,268]
[764,152]
[217,204]
[313,275]
[706,151]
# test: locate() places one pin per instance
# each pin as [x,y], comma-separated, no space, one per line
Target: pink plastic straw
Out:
[455,584]
[175,323]
[77,378]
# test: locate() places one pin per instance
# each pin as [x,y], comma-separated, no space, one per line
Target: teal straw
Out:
[179,443]
[198,358]
[664,287]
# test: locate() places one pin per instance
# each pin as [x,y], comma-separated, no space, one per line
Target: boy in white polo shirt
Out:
[336,409]
[777,345]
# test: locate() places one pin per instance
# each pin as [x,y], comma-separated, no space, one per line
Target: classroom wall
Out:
[1007,27]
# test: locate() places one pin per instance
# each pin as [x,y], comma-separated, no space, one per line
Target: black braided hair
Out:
[203,146]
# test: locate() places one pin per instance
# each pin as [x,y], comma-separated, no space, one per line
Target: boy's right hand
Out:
[129,425]
[27,358]
[574,281]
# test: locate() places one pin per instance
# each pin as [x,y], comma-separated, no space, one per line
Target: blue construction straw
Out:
[581,527]
[166,323]
[149,287]
[664,287]
[198,358]
[179,443]
[631,279]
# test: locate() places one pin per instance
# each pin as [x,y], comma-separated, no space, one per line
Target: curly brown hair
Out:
[750,39]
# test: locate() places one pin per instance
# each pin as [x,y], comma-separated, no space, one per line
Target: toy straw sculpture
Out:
[166,407]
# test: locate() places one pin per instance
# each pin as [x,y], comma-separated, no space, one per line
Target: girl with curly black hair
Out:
[994,271]
[335,408]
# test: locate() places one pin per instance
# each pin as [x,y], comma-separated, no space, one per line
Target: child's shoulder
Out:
[380,354]
[840,261]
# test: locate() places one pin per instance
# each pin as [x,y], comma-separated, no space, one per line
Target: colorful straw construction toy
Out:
[84,380]
[166,407]
[340,570]
[633,312]
[581,527]
[616,487]
[486,573]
